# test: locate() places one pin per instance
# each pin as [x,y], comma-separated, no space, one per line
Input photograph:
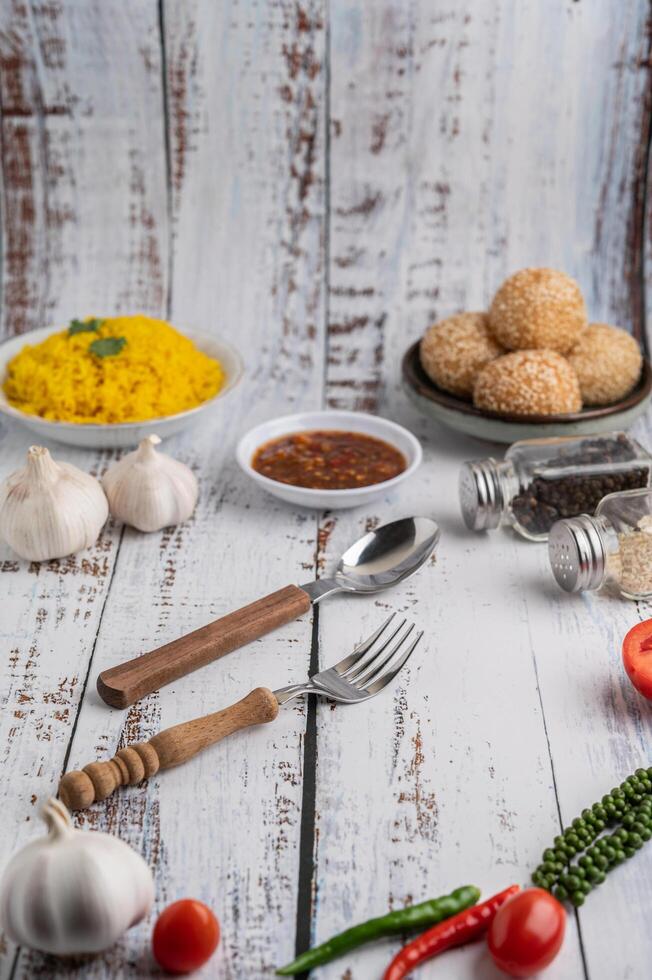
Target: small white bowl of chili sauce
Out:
[329,459]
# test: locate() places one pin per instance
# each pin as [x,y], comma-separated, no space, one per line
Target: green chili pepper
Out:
[414,917]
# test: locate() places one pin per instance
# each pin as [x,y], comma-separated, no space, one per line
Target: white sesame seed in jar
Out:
[635,553]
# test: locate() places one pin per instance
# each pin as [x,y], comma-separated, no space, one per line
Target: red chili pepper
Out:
[462,928]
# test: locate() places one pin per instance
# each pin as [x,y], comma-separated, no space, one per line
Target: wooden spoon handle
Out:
[171,747]
[122,685]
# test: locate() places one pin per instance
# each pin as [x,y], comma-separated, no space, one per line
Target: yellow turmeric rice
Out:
[123,369]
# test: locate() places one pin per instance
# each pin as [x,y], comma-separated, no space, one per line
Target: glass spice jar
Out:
[543,480]
[613,548]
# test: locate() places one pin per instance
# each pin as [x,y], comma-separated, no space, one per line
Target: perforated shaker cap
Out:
[577,554]
[481,496]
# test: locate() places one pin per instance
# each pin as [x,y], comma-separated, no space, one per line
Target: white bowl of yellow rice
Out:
[64,390]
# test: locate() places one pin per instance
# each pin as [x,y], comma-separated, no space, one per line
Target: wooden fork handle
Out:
[171,747]
[128,682]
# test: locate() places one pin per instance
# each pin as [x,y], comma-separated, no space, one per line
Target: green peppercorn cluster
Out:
[629,809]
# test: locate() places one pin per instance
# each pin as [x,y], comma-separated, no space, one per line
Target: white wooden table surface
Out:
[317,181]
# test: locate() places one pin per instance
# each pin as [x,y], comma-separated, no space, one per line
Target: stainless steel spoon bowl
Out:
[380,559]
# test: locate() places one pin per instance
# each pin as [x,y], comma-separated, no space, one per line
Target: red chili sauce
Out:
[328,460]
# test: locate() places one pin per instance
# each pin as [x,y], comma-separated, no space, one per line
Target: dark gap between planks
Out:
[306,886]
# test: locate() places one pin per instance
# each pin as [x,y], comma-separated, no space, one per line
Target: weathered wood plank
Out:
[84,229]
[83,162]
[266,230]
[453,162]
[266,202]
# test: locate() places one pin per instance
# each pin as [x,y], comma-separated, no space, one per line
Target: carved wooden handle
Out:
[171,747]
[122,685]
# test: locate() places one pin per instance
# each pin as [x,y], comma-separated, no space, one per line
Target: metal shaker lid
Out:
[577,554]
[481,496]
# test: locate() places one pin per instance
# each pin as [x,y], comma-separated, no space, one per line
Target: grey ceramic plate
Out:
[461,415]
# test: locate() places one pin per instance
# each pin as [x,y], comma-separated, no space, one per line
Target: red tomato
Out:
[527,932]
[637,657]
[186,934]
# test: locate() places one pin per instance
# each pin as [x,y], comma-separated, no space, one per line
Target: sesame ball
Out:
[607,361]
[455,350]
[528,382]
[538,308]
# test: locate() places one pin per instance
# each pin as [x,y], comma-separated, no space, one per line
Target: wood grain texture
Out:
[128,682]
[256,175]
[83,176]
[318,182]
[84,228]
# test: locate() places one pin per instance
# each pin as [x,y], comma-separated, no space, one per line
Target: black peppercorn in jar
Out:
[541,481]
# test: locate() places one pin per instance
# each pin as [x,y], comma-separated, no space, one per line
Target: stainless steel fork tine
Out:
[347,662]
[363,673]
[383,681]
[352,674]
[375,668]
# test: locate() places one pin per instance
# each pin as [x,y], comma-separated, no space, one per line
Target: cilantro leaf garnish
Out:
[83,326]
[107,346]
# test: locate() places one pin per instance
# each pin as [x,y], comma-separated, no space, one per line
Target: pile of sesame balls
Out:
[533,352]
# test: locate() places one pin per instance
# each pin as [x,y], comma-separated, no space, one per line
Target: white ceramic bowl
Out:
[370,425]
[112,436]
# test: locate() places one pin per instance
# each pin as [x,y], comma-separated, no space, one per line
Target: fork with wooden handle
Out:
[359,676]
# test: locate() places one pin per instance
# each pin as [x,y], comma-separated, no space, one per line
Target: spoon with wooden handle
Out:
[378,560]
[359,676]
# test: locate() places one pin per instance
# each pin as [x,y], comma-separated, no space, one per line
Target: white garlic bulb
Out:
[150,490]
[73,891]
[49,509]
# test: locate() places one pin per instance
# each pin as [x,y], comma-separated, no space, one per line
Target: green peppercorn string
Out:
[628,808]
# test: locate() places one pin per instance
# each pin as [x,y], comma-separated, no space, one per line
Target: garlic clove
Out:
[50,509]
[149,490]
[74,891]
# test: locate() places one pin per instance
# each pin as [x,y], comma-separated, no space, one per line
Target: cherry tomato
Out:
[527,932]
[186,934]
[637,657]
